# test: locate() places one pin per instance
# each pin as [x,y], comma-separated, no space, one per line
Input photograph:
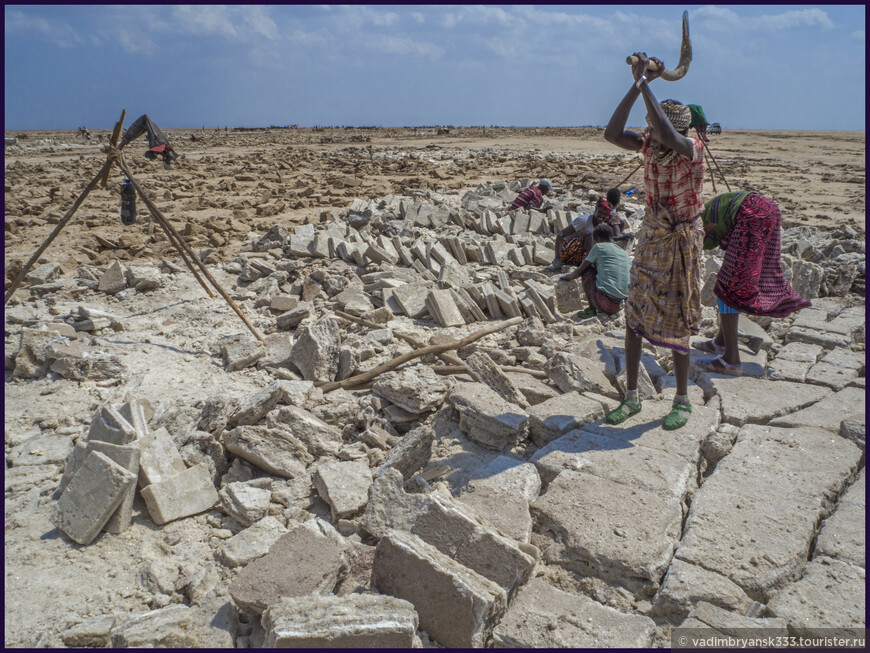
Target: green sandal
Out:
[586,314]
[677,418]
[625,410]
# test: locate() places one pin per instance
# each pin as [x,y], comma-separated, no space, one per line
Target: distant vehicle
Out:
[715,128]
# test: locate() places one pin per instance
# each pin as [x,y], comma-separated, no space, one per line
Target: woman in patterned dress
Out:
[747,227]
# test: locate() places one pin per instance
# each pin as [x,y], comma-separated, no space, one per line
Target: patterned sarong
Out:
[751,278]
[664,291]
[600,301]
[572,251]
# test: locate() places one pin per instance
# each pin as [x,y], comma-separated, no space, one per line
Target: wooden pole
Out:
[630,174]
[60,225]
[717,166]
[411,340]
[114,140]
[710,168]
[183,245]
[411,355]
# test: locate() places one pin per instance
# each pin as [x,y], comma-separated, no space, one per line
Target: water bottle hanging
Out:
[128,203]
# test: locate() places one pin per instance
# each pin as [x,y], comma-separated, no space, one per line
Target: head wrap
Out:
[603,202]
[545,183]
[680,115]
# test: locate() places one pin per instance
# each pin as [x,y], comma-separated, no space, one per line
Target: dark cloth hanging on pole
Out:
[157,141]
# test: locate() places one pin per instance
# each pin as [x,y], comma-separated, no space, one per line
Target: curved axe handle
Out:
[685,56]
[633,60]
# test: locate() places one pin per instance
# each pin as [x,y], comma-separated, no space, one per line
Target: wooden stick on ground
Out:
[404,358]
[461,369]
[184,246]
[60,225]
[411,340]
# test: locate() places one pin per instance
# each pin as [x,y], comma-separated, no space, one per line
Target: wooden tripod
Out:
[185,251]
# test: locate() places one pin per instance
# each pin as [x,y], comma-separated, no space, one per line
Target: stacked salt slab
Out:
[101,476]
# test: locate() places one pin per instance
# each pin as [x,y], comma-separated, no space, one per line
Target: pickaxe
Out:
[685,56]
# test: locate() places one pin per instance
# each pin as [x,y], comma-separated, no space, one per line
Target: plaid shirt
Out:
[679,183]
[531,196]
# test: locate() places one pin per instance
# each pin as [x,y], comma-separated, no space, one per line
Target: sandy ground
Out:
[232,183]
[817,178]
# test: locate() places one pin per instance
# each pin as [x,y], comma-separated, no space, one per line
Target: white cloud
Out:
[403,46]
[416,15]
[60,34]
[720,19]
[246,22]
[134,42]
[859,35]
[203,19]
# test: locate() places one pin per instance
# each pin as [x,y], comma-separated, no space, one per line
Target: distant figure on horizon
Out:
[532,197]
[157,141]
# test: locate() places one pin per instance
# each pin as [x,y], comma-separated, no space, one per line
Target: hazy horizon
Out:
[755,67]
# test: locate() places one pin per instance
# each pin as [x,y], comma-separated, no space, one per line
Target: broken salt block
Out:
[352,621]
[184,494]
[93,494]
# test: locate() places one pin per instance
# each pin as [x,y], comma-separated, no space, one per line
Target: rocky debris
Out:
[686,585]
[445,259]
[718,621]
[344,486]
[275,451]
[596,526]
[486,418]
[484,370]
[501,493]
[559,415]
[320,438]
[246,502]
[252,543]
[316,351]
[181,495]
[353,621]
[573,373]
[178,626]
[740,395]
[416,389]
[542,616]
[311,558]
[456,606]
[737,512]
[843,534]
[93,494]
[113,280]
[831,594]
[411,453]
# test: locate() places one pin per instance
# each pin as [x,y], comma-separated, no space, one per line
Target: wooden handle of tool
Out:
[633,60]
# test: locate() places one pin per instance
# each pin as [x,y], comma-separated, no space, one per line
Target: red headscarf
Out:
[603,202]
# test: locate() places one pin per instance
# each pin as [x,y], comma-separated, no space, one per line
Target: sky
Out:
[754,66]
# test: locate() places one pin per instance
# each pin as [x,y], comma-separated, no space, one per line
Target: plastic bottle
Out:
[128,203]
[630,192]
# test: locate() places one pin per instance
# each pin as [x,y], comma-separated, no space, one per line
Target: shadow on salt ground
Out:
[154,344]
